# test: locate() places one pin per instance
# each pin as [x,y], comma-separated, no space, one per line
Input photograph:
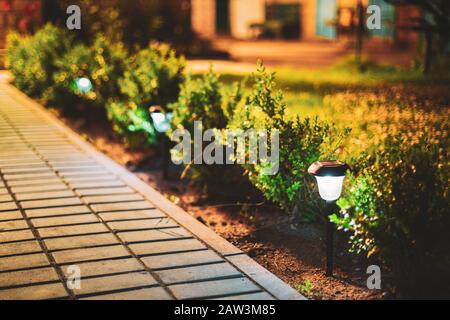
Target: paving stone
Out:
[78,163]
[39,292]
[10,215]
[17,278]
[13,225]
[106,267]
[90,254]
[124,206]
[20,162]
[112,198]
[29,164]
[85,166]
[58,152]
[16,248]
[26,170]
[64,220]
[25,176]
[154,235]
[61,211]
[34,182]
[16,236]
[198,273]
[6,206]
[92,174]
[213,288]
[103,239]
[24,262]
[132,215]
[48,203]
[72,230]
[156,293]
[74,170]
[117,282]
[17,155]
[181,259]
[166,247]
[98,179]
[143,224]
[250,296]
[105,191]
[3,190]
[97,184]
[45,195]
[42,188]
[264,278]
[5,198]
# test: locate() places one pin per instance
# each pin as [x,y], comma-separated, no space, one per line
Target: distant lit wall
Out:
[18,14]
[243,14]
[204,18]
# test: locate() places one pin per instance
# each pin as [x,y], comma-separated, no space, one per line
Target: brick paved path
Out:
[62,203]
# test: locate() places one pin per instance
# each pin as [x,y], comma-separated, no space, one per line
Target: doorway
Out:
[223,17]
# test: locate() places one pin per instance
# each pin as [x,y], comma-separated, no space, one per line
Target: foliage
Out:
[397,205]
[32,59]
[301,142]
[102,63]
[153,78]
[204,99]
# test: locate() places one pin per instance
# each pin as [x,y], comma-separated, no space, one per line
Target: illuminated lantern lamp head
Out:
[161,121]
[330,175]
[83,85]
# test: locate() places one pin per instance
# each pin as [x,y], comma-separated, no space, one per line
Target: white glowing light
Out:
[161,121]
[84,85]
[330,188]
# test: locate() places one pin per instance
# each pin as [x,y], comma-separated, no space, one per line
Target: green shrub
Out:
[153,78]
[397,209]
[109,66]
[32,59]
[103,64]
[205,99]
[301,142]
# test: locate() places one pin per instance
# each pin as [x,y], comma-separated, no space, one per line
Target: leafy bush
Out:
[153,78]
[397,205]
[103,64]
[301,142]
[109,66]
[205,99]
[32,59]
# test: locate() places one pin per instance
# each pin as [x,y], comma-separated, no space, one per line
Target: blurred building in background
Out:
[296,19]
[22,15]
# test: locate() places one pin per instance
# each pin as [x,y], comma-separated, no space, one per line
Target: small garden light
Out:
[330,175]
[84,85]
[161,123]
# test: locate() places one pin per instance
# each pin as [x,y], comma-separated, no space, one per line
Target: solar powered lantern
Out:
[83,85]
[330,175]
[161,122]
